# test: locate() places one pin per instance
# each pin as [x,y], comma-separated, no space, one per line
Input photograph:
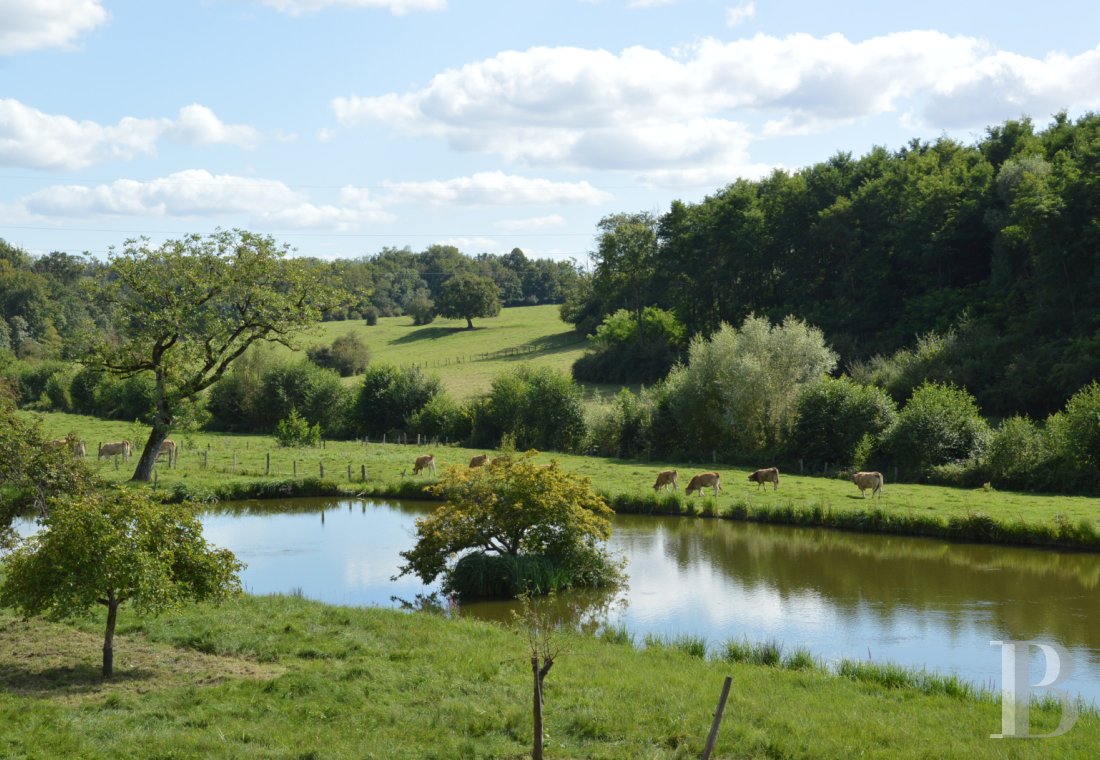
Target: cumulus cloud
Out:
[33,139]
[493,189]
[697,110]
[196,192]
[26,26]
[532,224]
[396,7]
[740,14]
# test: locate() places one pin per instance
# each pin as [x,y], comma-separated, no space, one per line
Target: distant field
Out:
[468,360]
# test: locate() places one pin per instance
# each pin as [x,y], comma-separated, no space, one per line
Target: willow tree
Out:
[190,307]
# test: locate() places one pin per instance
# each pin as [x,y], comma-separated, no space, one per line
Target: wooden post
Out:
[234,460]
[363,473]
[322,443]
[383,438]
[349,472]
[322,470]
[154,480]
[295,468]
[712,737]
[418,439]
[206,458]
[116,461]
[267,465]
[536,751]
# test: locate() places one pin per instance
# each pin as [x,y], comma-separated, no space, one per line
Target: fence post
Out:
[206,458]
[712,737]
[267,465]
[363,473]
[383,438]
[234,460]
[295,467]
[116,461]
[349,472]
[322,470]
[154,479]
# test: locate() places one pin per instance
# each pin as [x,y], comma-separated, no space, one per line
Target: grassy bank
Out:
[266,677]
[229,467]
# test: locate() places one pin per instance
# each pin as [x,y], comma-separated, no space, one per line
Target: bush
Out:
[370,316]
[542,408]
[834,415]
[348,355]
[1017,452]
[626,350]
[421,308]
[443,418]
[389,397]
[295,430]
[317,394]
[1080,429]
[940,424]
[623,428]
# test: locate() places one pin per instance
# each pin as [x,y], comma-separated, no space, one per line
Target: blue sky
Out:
[342,126]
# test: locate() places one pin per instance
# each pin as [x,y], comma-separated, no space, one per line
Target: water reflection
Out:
[918,602]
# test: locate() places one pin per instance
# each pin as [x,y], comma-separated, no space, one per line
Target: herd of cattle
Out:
[112,449]
[864,481]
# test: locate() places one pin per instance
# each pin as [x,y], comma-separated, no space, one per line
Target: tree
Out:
[192,307]
[514,509]
[466,296]
[833,415]
[114,547]
[939,424]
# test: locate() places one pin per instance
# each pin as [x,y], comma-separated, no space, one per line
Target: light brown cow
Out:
[75,447]
[480,460]
[703,480]
[764,476]
[865,480]
[168,446]
[79,449]
[114,449]
[425,462]
[665,478]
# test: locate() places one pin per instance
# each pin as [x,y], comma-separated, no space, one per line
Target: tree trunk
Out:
[469,323]
[162,425]
[109,637]
[536,750]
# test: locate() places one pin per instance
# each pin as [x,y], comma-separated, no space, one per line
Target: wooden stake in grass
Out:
[539,628]
[712,737]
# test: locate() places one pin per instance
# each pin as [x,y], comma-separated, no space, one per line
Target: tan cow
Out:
[480,460]
[764,476]
[75,447]
[168,446]
[865,480]
[425,462]
[114,449]
[79,449]
[665,478]
[703,480]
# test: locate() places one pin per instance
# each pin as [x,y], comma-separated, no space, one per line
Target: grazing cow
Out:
[764,476]
[480,460]
[665,478]
[113,449]
[79,449]
[425,462]
[701,481]
[167,447]
[865,480]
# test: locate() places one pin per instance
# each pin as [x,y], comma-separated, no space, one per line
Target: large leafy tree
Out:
[114,547]
[513,508]
[192,306]
[466,296]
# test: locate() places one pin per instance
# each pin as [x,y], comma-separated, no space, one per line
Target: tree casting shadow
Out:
[62,680]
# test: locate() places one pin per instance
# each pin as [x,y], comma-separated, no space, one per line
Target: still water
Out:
[917,602]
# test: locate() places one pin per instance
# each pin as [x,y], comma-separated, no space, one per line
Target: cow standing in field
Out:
[703,480]
[865,480]
[425,462]
[479,461]
[79,449]
[764,476]
[665,478]
[167,447]
[114,449]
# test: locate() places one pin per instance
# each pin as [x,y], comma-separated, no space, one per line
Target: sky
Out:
[341,127]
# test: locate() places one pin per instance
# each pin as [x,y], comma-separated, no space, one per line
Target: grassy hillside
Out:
[468,360]
[1026,518]
[282,677]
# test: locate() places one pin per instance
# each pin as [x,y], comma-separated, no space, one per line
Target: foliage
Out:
[540,407]
[832,417]
[295,430]
[738,390]
[514,508]
[389,398]
[630,347]
[939,424]
[193,306]
[623,428]
[422,309]
[442,418]
[316,393]
[1080,428]
[466,296]
[113,547]
[348,355]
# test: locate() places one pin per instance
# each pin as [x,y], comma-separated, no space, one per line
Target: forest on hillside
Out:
[975,265]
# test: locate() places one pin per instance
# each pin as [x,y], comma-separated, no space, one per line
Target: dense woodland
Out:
[976,264]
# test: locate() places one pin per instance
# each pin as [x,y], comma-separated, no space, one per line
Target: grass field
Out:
[207,462]
[283,677]
[468,360]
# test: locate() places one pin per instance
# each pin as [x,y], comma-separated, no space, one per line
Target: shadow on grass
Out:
[25,680]
[430,333]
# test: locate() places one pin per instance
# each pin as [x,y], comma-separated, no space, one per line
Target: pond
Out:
[916,602]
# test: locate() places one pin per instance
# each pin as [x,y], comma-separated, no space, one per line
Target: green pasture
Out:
[284,677]
[468,360]
[209,460]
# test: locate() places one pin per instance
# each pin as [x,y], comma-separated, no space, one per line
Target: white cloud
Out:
[739,14]
[650,3]
[396,7]
[196,192]
[26,26]
[533,224]
[493,189]
[696,111]
[33,139]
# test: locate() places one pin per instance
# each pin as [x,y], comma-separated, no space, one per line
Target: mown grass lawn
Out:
[383,464]
[304,680]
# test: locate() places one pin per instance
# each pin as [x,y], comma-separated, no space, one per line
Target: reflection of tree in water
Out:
[1025,593]
[585,610]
